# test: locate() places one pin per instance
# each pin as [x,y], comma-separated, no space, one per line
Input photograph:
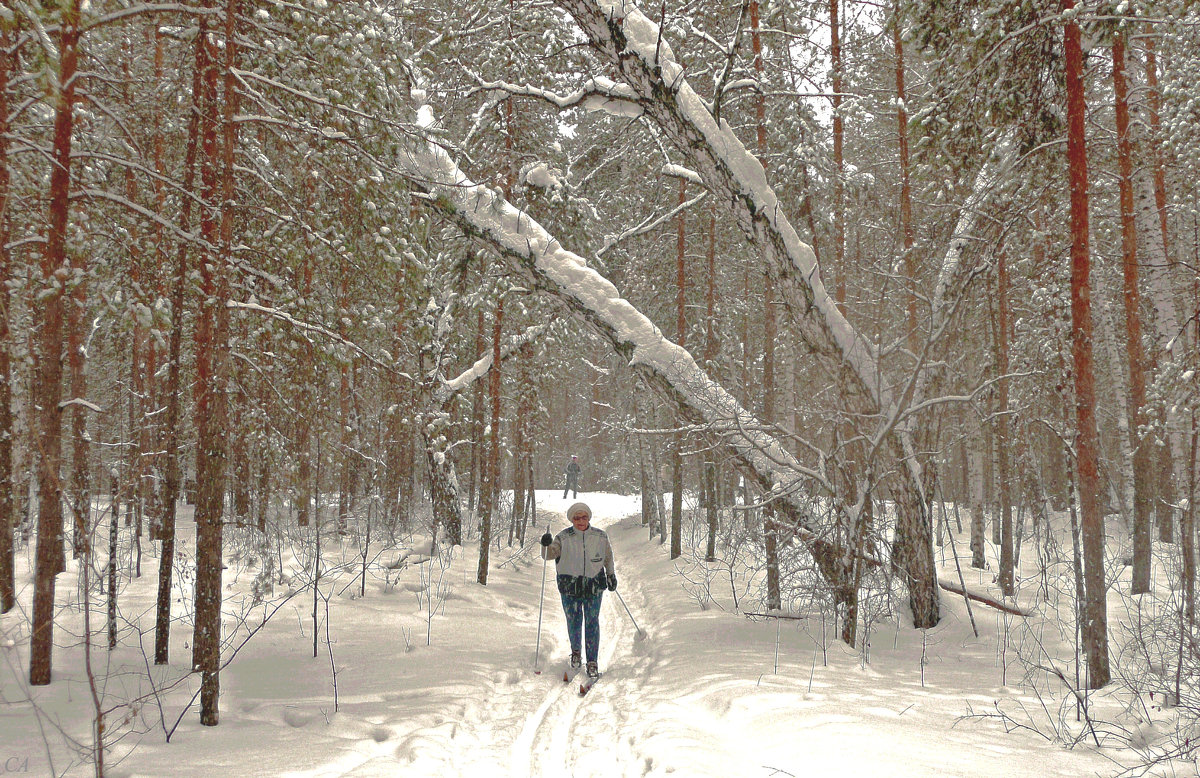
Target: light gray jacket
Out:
[581,554]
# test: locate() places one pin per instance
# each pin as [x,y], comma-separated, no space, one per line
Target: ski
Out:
[586,684]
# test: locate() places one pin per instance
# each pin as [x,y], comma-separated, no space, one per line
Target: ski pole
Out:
[537,653]
[641,633]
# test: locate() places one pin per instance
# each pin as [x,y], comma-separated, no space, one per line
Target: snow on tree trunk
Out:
[629,41]
[81,496]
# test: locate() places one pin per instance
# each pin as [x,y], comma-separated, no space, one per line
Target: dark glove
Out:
[547,539]
[612,582]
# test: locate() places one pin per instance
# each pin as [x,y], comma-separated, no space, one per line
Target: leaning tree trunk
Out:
[657,84]
[547,267]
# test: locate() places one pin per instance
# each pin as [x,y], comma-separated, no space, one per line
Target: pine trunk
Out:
[1095,623]
[975,458]
[491,487]
[710,355]
[839,165]
[48,359]
[174,389]
[681,339]
[8,589]
[1143,497]
[212,370]
[1007,587]
[81,492]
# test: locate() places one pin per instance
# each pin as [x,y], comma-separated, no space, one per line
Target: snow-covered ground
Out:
[705,692]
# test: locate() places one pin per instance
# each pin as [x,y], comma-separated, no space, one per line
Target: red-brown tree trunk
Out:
[1143,497]
[8,589]
[212,335]
[1095,623]
[48,357]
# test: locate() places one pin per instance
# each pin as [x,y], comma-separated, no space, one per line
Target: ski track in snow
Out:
[566,729]
[555,731]
[703,694]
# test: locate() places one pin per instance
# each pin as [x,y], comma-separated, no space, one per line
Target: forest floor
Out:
[435,676]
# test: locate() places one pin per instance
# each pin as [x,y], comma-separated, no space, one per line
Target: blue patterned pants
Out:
[583,622]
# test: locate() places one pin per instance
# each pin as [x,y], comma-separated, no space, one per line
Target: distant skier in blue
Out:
[584,562]
[573,471]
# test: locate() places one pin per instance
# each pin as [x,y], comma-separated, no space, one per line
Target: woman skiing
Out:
[584,562]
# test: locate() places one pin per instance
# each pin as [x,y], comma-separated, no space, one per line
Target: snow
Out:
[706,692]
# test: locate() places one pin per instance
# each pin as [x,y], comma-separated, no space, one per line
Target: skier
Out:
[573,471]
[584,562]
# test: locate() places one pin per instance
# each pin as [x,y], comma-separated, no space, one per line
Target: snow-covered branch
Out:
[566,277]
[632,44]
[481,366]
[597,94]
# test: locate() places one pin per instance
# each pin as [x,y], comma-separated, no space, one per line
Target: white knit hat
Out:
[576,508]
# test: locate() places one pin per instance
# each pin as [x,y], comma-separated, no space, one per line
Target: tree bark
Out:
[8,588]
[174,389]
[710,354]
[212,369]
[975,458]
[491,486]
[48,358]
[1007,554]
[839,163]
[1095,626]
[81,492]
[1142,464]
[770,326]
[906,217]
